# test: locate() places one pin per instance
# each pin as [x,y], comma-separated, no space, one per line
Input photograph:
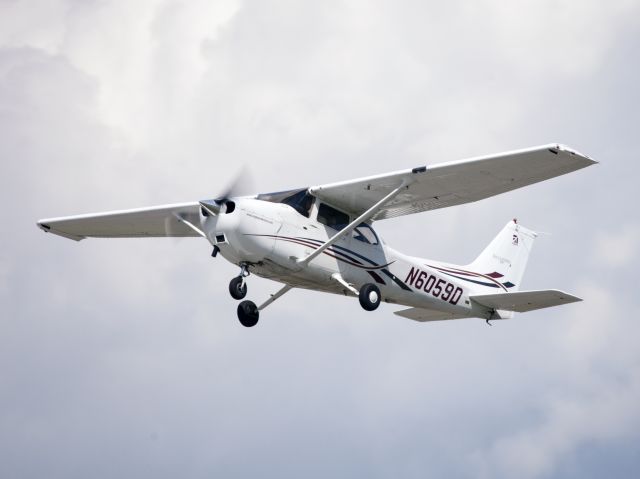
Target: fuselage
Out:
[271,237]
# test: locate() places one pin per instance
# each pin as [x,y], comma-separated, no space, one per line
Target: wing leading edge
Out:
[454,183]
[157,221]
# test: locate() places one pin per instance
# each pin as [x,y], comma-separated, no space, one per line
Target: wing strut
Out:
[347,229]
[275,296]
[191,225]
[338,277]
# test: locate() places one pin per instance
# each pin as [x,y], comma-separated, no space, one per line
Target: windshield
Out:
[300,200]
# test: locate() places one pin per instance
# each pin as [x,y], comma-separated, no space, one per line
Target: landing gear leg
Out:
[249,313]
[238,286]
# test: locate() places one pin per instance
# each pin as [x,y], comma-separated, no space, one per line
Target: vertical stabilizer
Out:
[505,259]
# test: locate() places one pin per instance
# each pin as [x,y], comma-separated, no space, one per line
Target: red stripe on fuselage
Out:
[470,273]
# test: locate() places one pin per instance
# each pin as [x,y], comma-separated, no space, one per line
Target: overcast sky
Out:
[124,358]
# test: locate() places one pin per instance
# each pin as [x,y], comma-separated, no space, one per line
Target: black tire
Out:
[369,297]
[237,289]
[248,314]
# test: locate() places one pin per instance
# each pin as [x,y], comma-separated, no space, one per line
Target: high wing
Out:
[454,183]
[166,220]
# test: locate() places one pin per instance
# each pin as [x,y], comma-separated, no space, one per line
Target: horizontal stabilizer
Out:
[523,301]
[424,315]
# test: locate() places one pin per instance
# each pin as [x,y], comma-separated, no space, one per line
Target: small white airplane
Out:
[321,237]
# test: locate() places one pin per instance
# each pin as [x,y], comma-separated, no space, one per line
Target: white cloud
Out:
[25,24]
[120,104]
[596,400]
[617,249]
[610,411]
[568,37]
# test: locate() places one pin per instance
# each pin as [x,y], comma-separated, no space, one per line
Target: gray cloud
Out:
[124,357]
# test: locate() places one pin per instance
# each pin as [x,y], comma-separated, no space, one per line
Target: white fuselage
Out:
[272,237]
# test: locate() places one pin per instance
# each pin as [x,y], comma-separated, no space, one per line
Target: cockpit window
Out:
[363,232]
[331,217]
[299,200]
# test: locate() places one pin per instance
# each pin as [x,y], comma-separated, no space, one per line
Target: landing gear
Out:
[238,288]
[369,297]
[248,314]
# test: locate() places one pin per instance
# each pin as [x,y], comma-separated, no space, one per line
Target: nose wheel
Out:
[238,286]
[248,312]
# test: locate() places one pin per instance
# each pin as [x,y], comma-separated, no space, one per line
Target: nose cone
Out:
[250,230]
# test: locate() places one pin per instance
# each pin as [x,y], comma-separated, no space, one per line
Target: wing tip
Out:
[42,224]
[555,148]
[568,297]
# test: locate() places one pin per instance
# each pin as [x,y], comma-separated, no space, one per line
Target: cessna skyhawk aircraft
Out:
[321,237]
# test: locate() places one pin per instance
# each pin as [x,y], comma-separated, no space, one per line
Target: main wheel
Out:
[237,289]
[248,314]
[369,297]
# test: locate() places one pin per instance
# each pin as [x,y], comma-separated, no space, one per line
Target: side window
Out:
[331,217]
[363,232]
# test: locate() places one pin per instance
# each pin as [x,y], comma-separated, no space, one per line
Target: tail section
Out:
[503,262]
[493,280]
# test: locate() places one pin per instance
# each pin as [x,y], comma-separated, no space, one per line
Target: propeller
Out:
[240,185]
